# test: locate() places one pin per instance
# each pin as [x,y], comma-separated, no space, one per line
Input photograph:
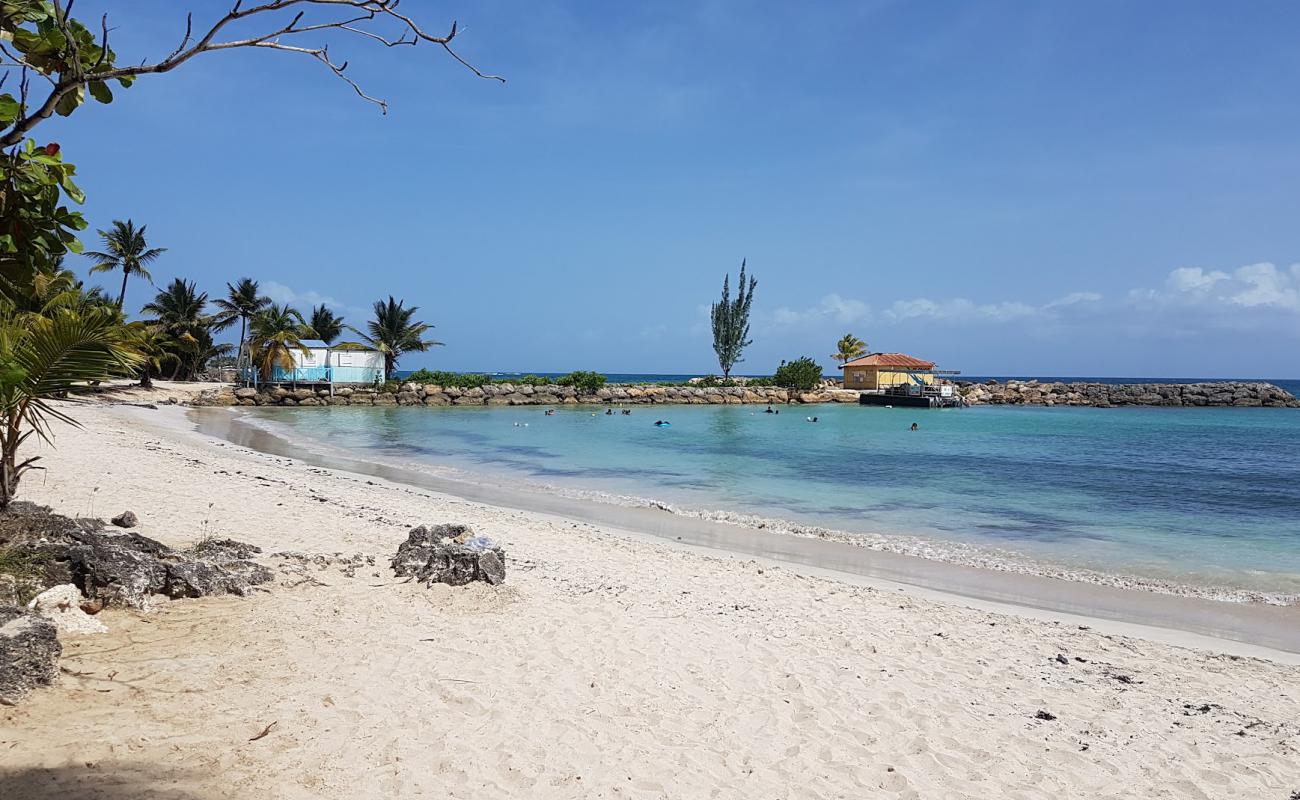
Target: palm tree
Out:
[849,348]
[125,248]
[392,332]
[276,333]
[154,348]
[42,357]
[242,302]
[180,311]
[326,326]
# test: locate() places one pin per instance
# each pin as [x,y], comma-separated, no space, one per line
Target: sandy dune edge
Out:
[608,667]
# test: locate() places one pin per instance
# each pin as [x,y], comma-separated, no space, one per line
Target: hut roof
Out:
[900,360]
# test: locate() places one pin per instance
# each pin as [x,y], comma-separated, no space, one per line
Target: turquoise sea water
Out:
[1198,496]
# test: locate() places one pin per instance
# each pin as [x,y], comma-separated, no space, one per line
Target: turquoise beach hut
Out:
[323,365]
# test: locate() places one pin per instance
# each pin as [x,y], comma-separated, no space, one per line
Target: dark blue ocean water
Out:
[1194,495]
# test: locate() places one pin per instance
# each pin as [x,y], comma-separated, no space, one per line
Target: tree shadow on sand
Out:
[104,780]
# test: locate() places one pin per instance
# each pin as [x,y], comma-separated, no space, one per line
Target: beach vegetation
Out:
[27,569]
[125,249]
[242,302]
[181,312]
[154,347]
[801,375]
[459,380]
[584,381]
[324,324]
[848,348]
[731,321]
[42,357]
[276,333]
[394,331]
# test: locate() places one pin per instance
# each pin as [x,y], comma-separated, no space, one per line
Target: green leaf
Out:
[69,102]
[9,108]
[100,91]
[126,81]
[75,193]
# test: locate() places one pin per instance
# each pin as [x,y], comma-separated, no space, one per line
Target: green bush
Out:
[585,382]
[533,380]
[800,375]
[762,382]
[460,380]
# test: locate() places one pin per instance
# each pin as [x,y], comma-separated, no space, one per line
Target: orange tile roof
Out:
[890,360]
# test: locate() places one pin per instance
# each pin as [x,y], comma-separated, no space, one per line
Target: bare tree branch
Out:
[363,13]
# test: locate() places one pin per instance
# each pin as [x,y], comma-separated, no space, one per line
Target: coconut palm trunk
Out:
[121,297]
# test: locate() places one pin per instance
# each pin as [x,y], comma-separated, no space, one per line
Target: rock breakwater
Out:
[1099,395]
[1108,395]
[508,394]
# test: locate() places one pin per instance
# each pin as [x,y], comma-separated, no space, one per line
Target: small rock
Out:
[1045,715]
[127,519]
[449,554]
[1061,659]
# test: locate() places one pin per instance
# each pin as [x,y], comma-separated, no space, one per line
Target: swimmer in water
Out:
[915,426]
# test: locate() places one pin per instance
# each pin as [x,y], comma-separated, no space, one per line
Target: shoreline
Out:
[1274,628]
[611,663]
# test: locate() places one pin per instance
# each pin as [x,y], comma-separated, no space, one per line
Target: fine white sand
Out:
[608,666]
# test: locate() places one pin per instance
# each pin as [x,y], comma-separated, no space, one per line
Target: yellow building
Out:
[884,370]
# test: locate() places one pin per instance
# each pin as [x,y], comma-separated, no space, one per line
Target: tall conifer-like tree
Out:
[731,321]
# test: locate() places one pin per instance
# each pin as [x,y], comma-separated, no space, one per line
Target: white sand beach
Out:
[608,666]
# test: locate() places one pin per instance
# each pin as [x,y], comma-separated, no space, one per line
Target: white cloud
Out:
[1261,286]
[832,307]
[1266,285]
[1194,279]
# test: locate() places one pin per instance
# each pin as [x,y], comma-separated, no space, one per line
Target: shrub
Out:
[585,382]
[801,375]
[533,380]
[460,380]
[762,382]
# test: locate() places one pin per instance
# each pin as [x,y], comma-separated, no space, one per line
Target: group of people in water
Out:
[663,423]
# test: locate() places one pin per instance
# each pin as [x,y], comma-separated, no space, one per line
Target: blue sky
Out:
[1002,187]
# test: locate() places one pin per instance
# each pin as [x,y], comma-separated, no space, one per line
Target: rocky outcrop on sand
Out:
[449,554]
[1106,395]
[29,653]
[121,568]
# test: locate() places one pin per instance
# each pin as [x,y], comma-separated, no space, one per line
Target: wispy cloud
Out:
[304,301]
[832,308]
[962,309]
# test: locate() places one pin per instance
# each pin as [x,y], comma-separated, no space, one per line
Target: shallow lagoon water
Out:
[1194,496]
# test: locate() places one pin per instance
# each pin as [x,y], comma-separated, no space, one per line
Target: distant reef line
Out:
[1097,395]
